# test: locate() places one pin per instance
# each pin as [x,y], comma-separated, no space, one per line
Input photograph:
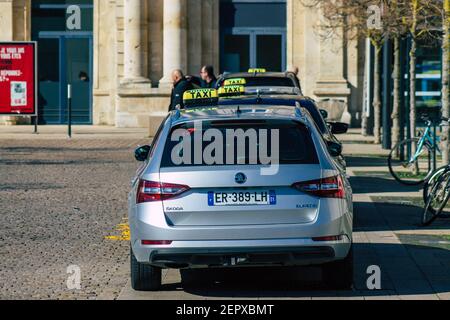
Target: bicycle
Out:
[438,197]
[411,162]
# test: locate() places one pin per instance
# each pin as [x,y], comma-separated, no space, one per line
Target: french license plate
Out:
[242,198]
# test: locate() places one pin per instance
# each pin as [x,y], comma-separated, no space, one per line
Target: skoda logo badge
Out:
[240,178]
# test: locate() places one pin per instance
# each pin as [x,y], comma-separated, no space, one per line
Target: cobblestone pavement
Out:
[58,201]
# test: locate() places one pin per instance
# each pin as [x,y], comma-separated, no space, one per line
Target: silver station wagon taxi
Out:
[240,186]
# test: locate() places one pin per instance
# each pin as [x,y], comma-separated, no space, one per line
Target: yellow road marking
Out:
[124,230]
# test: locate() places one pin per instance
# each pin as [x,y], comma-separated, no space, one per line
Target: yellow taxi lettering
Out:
[234,82]
[257,70]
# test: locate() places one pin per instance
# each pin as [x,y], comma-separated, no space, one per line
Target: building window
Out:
[253,35]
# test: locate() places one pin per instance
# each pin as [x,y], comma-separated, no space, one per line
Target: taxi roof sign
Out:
[200,97]
[257,70]
[231,91]
[235,82]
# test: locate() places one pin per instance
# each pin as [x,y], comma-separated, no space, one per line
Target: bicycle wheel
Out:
[429,183]
[438,199]
[409,170]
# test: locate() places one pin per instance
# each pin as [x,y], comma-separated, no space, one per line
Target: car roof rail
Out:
[299,113]
[177,114]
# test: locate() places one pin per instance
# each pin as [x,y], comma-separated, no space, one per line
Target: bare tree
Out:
[396,107]
[377,43]
[393,19]
[421,17]
[352,18]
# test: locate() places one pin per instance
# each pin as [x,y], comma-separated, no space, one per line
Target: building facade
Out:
[118,54]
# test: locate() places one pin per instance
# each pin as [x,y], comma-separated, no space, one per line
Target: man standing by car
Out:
[180,86]
[209,79]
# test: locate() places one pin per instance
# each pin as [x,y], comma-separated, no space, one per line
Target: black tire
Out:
[144,277]
[398,159]
[437,200]
[429,183]
[339,274]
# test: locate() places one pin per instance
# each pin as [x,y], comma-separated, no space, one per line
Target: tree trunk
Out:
[445,81]
[366,125]
[412,68]
[412,86]
[397,93]
[365,118]
[377,96]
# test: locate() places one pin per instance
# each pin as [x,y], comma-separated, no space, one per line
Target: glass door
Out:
[63,30]
[236,53]
[244,48]
[65,60]
[77,58]
[269,52]
[49,96]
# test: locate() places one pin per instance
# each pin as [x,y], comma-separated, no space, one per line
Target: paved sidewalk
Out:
[356,144]
[78,133]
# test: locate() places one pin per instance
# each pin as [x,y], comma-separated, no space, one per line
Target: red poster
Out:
[18,78]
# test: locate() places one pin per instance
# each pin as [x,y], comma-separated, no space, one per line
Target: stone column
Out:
[6,20]
[332,83]
[175,39]
[134,43]
[6,34]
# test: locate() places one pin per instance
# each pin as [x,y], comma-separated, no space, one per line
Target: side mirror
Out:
[338,127]
[324,113]
[141,154]
[335,149]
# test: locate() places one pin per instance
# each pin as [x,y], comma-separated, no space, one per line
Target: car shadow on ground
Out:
[360,161]
[408,270]
[371,184]
[395,215]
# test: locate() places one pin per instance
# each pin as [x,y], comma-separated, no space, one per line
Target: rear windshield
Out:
[269,82]
[239,143]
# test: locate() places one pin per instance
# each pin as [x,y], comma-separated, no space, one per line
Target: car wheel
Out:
[339,274]
[144,277]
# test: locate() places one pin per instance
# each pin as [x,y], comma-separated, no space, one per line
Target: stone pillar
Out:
[6,34]
[135,72]
[6,20]
[332,83]
[175,39]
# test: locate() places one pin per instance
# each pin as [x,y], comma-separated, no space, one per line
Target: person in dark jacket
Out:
[180,85]
[209,79]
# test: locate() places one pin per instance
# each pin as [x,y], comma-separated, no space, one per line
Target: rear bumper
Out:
[285,252]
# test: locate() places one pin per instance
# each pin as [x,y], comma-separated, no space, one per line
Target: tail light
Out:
[323,188]
[150,191]
[328,239]
[156,243]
